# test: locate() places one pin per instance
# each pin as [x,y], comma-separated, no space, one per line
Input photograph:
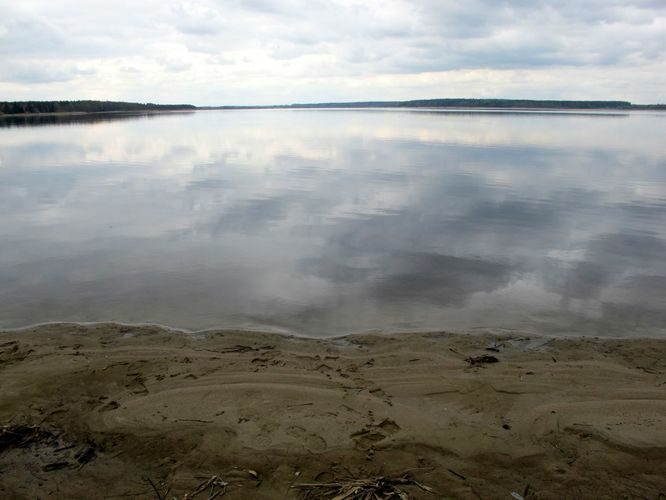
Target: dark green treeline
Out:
[21,107]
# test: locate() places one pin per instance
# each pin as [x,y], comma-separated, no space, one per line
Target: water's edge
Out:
[500,333]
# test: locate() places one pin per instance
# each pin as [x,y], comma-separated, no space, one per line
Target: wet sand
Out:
[117,411]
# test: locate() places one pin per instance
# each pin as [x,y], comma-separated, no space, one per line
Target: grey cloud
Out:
[196,19]
[546,34]
[445,59]
[286,51]
[176,66]
[198,28]
[294,8]
[21,34]
[205,46]
[56,37]
[342,40]
[652,285]
[40,73]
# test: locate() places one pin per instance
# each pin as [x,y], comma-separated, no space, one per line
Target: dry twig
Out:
[213,487]
[378,488]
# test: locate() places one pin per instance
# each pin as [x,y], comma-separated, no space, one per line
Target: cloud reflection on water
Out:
[327,222]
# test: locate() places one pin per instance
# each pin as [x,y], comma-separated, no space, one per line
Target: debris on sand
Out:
[495,347]
[212,487]
[239,348]
[479,360]
[51,449]
[20,436]
[380,488]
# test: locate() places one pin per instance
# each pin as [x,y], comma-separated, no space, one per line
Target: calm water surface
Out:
[327,222]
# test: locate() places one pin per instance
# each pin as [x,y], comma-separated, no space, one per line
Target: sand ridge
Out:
[553,418]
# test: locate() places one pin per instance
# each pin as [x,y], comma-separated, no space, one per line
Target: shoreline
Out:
[285,332]
[453,109]
[127,406]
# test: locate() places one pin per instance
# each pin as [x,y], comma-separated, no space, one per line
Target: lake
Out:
[326,222]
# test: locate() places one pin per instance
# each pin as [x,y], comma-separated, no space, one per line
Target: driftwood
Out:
[19,436]
[214,486]
[238,348]
[479,360]
[377,488]
[209,489]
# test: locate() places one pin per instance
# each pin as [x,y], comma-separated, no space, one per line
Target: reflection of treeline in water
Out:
[24,107]
[36,119]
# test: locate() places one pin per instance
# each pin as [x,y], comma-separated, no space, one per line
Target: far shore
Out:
[130,411]
[87,113]
[332,108]
[94,107]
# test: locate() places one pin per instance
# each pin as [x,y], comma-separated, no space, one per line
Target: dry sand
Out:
[100,411]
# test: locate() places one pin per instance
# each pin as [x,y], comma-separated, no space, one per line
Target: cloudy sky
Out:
[285,51]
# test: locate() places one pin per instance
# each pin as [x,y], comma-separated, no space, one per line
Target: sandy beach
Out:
[119,411]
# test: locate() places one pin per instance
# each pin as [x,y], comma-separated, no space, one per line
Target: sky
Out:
[235,52]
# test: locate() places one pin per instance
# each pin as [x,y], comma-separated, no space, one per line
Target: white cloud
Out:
[270,51]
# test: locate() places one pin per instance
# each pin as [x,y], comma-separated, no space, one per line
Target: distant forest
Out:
[25,107]
[467,103]
[50,107]
[483,103]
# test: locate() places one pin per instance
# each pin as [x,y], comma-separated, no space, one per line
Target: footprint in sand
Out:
[311,442]
[135,383]
[388,425]
[374,433]
[295,431]
[365,438]
[226,436]
[265,437]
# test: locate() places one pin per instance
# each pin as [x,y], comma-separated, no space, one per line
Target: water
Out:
[326,222]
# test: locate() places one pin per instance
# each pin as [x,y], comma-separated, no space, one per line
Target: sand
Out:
[107,409]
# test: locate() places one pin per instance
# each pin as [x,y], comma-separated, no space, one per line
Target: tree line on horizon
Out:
[87,106]
[91,106]
[464,103]
[485,103]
